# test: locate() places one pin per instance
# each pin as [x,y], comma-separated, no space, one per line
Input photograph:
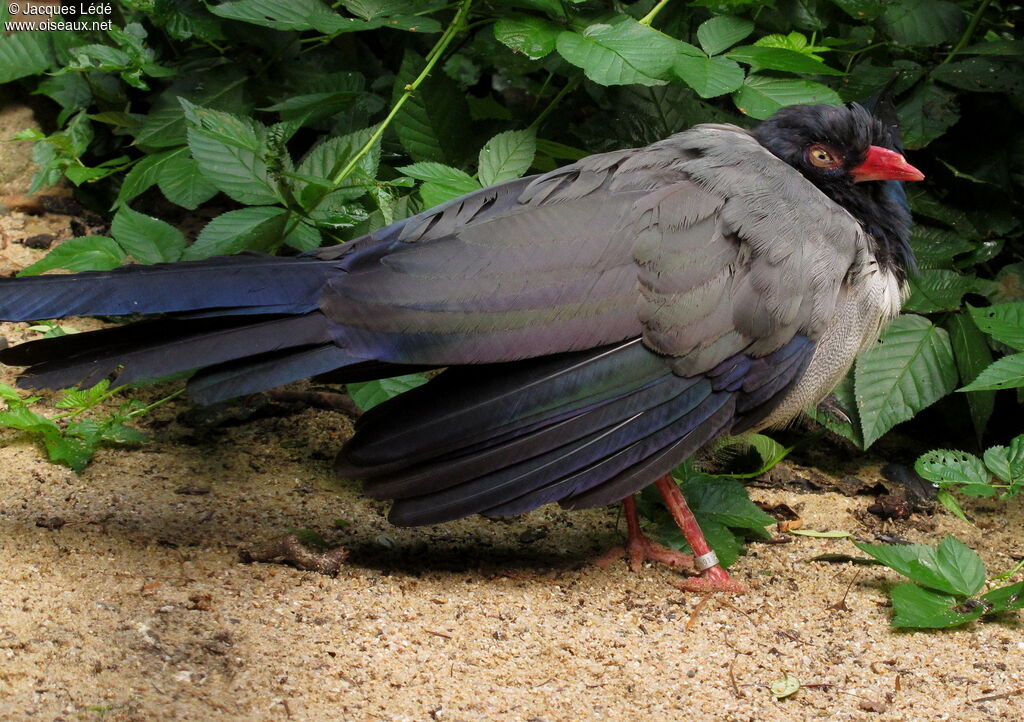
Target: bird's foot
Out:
[713,579]
[640,549]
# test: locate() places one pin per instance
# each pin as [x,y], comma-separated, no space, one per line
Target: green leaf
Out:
[146,239]
[996,47]
[1004,598]
[258,228]
[532,36]
[1006,373]
[983,75]
[710,77]
[24,419]
[619,52]
[23,54]
[1004,322]
[72,452]
[972,356]
[926,114]
[220,87]
[442,182]
[721,32]
[946,498]
[725,501]
[290,15]
[85,253]
[229,151]
[182,182]
[326,159]
[936,247]
[910,368]
[507,156]
[944,468]
[861,9]
[302,237]
[1007,462]
[950,567]
[920,608]
[923,23]
[723,542]
[425,133]
[935,289]
[143,175]
[368,394]
[760,96]
[758,58]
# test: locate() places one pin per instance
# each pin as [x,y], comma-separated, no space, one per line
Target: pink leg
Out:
[639,548]
[712,577]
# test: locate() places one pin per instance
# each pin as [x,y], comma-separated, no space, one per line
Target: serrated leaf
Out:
[371,393]
[710,77]
[220,88]
[760,96]
[1004,322]
[910,368]
[973,356]
[1006,373]
[532,36]
[1004,598]
[1007,462]
[328,158]
[143,175]
[182,182]
[619,52]
[919,608]
[229,152]
[790,61]
[950,567]
[24,419]
[441,182]
[923,23]
[945,466]
[721,32]
[23,54]
[85,253]
[936,289]
[946,498]
[725,501]
[926,114]
[936,247]
[426,134]
[861,9]
[258,228]
[290,15]
[302,237]
[507,156]
[983,75]
[146,239]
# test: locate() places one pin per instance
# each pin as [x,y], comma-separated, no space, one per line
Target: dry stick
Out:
[1004,695]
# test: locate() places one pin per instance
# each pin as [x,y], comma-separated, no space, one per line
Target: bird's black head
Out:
[854,159]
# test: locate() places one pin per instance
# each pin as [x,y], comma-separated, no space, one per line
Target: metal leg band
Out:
[705,561]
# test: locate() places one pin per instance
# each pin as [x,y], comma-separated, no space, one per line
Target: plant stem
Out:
[158,402]
[649,17]
[566,89]
[971,27]
[432,57]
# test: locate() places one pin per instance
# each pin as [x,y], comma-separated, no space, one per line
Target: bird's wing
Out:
[735,267]
[705,243]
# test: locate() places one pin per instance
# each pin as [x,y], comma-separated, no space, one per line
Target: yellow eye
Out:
[820,156]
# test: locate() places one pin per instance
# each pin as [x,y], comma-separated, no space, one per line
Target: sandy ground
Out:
[134,606]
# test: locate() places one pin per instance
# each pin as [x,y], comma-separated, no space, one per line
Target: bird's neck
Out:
[882,210]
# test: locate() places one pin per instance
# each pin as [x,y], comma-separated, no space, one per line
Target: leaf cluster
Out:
[945,581]
[70,438]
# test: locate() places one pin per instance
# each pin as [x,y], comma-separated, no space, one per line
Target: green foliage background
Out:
[298,123]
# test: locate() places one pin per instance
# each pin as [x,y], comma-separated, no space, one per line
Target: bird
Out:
[595,325]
